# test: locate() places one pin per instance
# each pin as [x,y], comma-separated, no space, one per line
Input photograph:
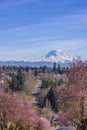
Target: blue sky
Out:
[31,28]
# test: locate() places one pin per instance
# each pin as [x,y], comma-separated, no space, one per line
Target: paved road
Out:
[38,85]
[37,89]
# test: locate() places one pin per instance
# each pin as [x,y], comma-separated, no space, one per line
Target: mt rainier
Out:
[53,56]
[57,56]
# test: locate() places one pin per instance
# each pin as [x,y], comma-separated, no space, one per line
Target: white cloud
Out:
[39,39]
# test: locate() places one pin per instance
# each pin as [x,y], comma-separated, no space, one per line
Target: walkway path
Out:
[37,89]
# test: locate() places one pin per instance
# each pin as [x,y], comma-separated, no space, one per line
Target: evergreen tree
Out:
[51,97]
[20,76]
[14,83]
[54,67]
[58,69]
[17,82]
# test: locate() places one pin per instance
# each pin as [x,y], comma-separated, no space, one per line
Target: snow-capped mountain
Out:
[53,56]
[57,56]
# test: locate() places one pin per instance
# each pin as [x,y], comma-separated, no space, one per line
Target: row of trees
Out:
[11,69]
[44,69]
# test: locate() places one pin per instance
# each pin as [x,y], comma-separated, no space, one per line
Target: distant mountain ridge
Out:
[57,56]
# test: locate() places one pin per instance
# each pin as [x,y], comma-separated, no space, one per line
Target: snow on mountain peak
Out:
[56,56]
[52,53]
